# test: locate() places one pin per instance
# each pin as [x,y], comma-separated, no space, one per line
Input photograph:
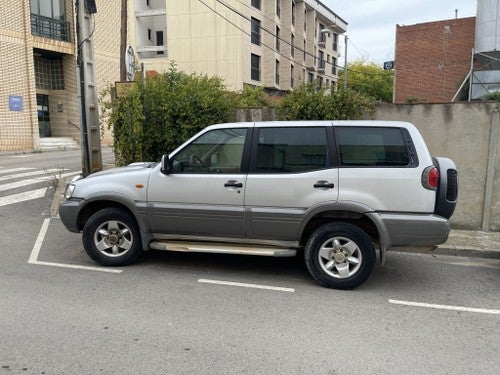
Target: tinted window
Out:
[361,146]
[217,151]
[296,149]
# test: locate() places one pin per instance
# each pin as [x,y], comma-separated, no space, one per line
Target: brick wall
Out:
[17,77]
[432,59]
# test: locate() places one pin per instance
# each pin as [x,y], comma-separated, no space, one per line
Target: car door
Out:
[204,193]
[291,170]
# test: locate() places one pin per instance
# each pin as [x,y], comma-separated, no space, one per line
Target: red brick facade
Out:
[432,59]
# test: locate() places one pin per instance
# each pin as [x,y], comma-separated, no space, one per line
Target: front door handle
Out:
[233,184]
[323,185]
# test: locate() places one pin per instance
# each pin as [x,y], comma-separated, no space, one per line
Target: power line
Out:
[279,38]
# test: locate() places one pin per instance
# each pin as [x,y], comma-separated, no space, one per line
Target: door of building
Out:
[42,105]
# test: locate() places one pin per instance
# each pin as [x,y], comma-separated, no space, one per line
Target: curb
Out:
[471,252]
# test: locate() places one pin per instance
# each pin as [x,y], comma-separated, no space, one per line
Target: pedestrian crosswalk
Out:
[25,184]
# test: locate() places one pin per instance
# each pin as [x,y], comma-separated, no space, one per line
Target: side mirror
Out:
[166,166]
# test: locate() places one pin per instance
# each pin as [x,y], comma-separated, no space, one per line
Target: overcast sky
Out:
[372,23]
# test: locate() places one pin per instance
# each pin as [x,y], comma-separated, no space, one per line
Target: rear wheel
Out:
[111,237]
[340,255]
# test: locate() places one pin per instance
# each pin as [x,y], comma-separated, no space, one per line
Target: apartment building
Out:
[271,43]
[275,44]
[38,79]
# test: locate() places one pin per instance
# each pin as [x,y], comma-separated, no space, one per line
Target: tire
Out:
[340,255]
[111,238]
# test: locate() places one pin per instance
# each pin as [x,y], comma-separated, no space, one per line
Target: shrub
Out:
[306,102]
[156,116]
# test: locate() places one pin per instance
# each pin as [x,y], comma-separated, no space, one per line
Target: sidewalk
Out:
[465,243]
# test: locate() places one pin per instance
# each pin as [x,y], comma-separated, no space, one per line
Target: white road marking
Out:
[18,184]
[22,197]
[445,307]
[23,156]
[245,285]
[3,171]
[39,240]
[33,259]
[55,172]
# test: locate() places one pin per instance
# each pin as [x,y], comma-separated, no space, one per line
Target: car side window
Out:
[291,149]
[216,151]
[372,147]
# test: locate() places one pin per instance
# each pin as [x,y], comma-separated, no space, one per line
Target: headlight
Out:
[69,191]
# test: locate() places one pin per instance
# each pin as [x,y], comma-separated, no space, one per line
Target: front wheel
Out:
[340,255]
[111,237]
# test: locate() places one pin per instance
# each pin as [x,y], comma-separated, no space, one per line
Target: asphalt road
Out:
[169,314]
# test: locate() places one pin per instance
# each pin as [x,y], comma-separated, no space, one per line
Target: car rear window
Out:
[370,146]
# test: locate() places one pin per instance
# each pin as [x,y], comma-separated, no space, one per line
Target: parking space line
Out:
[33,259]
[245,285]
[444,307]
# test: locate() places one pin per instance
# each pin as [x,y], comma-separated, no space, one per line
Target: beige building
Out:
[270,43]
[38,79]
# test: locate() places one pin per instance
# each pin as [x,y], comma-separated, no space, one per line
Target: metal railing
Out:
[50,28]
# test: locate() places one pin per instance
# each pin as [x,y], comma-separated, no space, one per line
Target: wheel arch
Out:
[137,211]
[355,213]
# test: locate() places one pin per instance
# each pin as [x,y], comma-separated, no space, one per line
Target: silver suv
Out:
[334,190]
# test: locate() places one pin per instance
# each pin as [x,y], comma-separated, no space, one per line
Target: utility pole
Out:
[345,63]
[123,40]
[89,115]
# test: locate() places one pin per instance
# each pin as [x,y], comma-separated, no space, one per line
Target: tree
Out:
[370,79]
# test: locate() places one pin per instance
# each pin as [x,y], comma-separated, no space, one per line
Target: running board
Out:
[222,248]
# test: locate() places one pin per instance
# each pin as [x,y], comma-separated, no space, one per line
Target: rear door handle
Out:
[233,184]
[323,185]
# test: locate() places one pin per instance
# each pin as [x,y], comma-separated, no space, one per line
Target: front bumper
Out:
[69,211]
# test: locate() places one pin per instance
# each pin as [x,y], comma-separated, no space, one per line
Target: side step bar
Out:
[222,248]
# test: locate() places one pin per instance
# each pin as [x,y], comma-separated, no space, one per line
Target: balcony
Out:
[50,28]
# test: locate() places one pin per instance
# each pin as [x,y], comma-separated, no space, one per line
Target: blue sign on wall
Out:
[15,103]
[388,65]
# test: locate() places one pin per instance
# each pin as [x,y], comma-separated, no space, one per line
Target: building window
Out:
[293,12]
[277,38]
[315,28]
[148,3]
[278,8]
[305,19]
[305,50]
[255,67]
[159,42]
[322,35]
[255,34]
[321,60]
[320,83]
[277,72]
[49,73]
[334,66]
[310,77]
[256,4]
[150,34]
[48,19]
[292,48]
[292,73]
[335,41]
